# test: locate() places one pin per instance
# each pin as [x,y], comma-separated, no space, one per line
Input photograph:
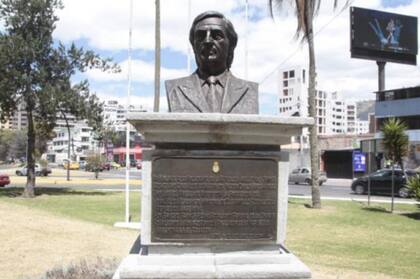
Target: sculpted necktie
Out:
[212,95]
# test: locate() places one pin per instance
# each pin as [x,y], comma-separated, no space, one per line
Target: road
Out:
[114,180]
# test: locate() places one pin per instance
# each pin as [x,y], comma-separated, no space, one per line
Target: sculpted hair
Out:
[232,36]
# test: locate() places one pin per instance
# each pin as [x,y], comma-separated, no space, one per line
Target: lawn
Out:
[350,235]
[340,236]
[92,206]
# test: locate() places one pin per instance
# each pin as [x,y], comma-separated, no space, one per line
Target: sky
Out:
[102,25]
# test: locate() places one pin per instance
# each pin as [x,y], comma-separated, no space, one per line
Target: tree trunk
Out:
[157,57]
[29,191]
[313,130]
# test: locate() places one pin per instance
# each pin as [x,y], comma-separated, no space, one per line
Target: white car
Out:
[39,171]
[303,175]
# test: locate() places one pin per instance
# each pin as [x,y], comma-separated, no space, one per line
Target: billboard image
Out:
[383,36]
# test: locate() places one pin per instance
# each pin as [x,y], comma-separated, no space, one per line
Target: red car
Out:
[4,180]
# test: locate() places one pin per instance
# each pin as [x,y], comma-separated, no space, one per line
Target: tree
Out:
[305,11]
[94,163]
[395,142]
[36,71]
[6,140]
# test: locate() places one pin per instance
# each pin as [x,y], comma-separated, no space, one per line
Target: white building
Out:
[115,115]
[334,114]
[362,127]
[82,141]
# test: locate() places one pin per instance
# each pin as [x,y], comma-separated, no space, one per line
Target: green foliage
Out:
[36,72]
[94,163]
[395,140]
[414,186]
[13,144]
[43,162]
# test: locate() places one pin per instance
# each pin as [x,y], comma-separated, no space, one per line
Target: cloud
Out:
[142,72]
[104,26]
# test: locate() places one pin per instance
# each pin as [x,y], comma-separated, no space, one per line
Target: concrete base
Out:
[130,225]
[238,264]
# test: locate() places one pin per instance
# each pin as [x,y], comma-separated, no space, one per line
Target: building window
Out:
[285,75]
[285,92]
[292,74]
[303,76]
[285,83]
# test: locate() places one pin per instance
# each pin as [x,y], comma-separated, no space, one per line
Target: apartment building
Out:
[334,114]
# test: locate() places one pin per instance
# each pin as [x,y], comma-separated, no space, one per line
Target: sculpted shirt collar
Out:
[219,79]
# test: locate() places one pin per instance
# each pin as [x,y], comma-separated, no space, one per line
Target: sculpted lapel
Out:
[189,90]
[234,92]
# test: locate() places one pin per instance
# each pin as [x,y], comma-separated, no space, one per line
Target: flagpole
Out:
[127,141]
[246,39]
[188,44]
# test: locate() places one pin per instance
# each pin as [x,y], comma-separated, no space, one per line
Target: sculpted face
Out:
[211,46]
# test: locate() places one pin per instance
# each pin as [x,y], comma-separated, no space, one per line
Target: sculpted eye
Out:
[218,36]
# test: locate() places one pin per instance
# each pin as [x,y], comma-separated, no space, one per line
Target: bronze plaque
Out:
[214,199]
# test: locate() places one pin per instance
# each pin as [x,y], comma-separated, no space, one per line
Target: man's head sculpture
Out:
[212,34]
[212,88]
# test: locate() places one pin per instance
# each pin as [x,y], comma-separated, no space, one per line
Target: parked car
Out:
[381,182]
[132,163]
[82,164]
[4,180]
[115,165]
[39,171]
[303,175]
[106,166]
[72,165]
[138,164]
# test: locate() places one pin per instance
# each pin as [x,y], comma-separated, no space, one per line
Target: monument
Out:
[215,187]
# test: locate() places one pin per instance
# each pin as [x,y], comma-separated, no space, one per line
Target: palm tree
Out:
[395,142]
[305,11]
[157,56]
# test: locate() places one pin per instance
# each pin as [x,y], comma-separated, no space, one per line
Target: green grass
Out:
[351,235]
[92,206]
[342,235]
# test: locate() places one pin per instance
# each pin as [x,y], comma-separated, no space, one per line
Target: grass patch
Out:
[340,236]
[350,235]
[92,206]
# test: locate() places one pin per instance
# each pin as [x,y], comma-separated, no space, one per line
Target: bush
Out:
[43,163]
[100,269]
[414,186]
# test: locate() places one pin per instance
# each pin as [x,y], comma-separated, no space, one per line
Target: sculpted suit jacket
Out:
[185,95]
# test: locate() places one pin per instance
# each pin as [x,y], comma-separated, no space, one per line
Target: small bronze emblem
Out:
[216,167]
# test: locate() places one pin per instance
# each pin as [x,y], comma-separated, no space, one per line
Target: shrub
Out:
[100,269]
[414,186]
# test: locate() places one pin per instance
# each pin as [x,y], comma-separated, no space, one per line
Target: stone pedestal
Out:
[214,197]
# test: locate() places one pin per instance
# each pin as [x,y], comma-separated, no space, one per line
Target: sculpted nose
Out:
[208,37]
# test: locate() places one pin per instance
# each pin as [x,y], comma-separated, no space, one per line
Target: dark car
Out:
[381,183]
[4,180]
[132,163]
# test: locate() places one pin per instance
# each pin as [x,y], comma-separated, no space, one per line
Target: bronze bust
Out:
[212,87]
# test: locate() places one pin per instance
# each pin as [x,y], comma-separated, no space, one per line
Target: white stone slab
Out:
[217,128]
[219,265]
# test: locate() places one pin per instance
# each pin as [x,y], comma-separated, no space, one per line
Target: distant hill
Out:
[364,108]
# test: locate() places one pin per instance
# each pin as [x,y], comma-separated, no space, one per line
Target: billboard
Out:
[382,36]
